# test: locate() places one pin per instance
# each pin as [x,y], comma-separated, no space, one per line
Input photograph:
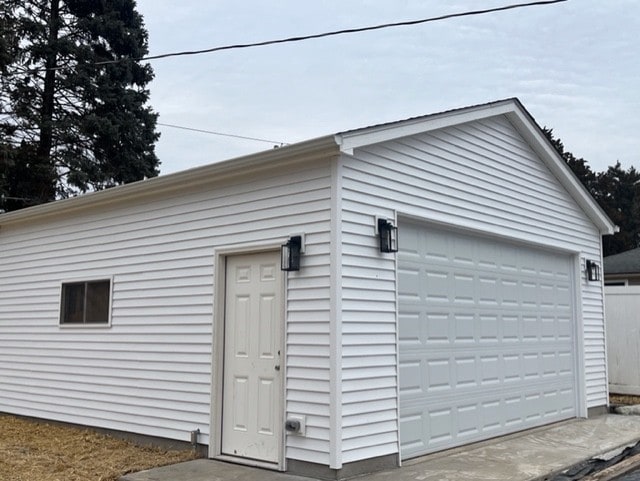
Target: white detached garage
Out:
[161,308]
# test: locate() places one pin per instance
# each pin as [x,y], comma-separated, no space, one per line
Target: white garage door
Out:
[486,338]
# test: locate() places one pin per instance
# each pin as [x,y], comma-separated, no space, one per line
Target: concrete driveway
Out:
[532,455]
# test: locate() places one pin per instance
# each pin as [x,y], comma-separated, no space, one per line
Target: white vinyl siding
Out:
[150,372]
[480,176]
[369,373]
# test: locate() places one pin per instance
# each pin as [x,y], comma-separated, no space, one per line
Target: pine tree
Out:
[579,166]
[616,190]
[620,198]
[73,105]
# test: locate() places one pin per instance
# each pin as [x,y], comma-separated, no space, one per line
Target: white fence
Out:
[623,338]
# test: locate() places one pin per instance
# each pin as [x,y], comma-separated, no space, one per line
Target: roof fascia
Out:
[521,120]
[354,139]
[533,134]
[315,149]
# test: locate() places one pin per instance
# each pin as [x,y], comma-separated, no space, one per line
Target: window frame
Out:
[84,324]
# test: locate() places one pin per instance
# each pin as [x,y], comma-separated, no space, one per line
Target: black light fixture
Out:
[388,234]
[593,270]
[290,254]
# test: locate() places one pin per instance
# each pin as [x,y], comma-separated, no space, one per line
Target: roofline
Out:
[625,263]
[624,253]
[524,121]
[520,118]
[235,167]
[353,139]
[346,142]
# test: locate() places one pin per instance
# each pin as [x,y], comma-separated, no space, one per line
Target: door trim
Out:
[217,354]
[579,341]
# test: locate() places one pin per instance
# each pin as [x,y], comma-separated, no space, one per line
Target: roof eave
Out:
[521,119]
[533,134]
[354,139]
[333,144]
[299,152]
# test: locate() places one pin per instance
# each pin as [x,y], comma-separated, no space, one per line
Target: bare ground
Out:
[36,451]
[623,399]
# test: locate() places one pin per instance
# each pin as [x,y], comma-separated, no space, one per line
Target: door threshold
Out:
[255,463]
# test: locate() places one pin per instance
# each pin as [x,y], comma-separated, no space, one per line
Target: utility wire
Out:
[342,32]
[277,142]
[325,34]
[308,37]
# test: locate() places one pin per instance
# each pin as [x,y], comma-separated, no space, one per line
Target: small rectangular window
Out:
[85,302]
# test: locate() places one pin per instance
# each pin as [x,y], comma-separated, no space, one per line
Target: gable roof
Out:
[519,117]
[627,262]
[332,145]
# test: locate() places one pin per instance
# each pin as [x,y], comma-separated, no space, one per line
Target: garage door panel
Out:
[486,338]
[497,394]
[471,375]
[461,328]
[482,253]
[466,288]
[454,421]
[464,374]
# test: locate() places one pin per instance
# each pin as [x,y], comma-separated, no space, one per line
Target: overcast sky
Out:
[574,65]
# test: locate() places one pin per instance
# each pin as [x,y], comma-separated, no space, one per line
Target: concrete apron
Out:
[532,455]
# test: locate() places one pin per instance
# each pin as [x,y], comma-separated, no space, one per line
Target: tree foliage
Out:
[69,123]
[619,196]
[616,190]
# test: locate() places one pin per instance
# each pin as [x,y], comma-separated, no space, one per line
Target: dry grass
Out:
[36,451]
[625,399]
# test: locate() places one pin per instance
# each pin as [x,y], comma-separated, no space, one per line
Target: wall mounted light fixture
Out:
[290,254]
[593,270]
[388,235]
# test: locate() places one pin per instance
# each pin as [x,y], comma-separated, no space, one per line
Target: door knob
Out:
[277,368]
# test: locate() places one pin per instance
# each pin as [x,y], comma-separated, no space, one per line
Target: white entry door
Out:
[252,391]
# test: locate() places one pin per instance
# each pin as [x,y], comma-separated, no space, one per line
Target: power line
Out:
[349,30]
[341,32]
[325,34]
[224,134]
